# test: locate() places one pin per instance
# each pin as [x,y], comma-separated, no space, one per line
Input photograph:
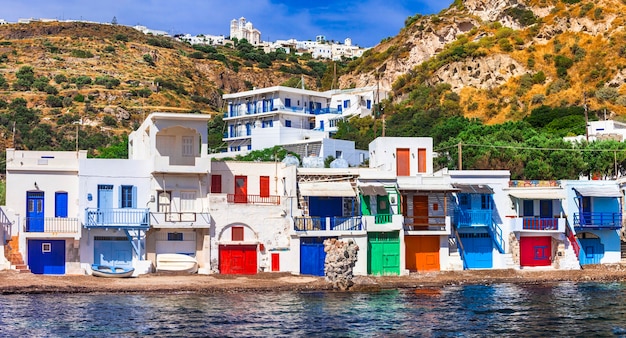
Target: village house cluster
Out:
[171,205]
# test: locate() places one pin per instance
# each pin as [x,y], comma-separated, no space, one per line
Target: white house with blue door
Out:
[594,209]
[114,197]
[175,149]
[43,207]
[480,223]
[327,207]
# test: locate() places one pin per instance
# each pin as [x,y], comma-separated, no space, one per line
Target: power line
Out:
[527,148]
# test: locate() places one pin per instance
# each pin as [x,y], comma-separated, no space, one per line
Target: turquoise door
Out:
[34,211]
[105,202]
[591,251]
[478,252]
[112,251]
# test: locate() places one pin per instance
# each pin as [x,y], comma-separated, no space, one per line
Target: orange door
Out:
[422,253]
[241,189]
[403,164]
[421,160]
[420,210]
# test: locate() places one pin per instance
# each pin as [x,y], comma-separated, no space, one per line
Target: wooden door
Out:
[403,163]
[422,253]
[420,211]
[241,189]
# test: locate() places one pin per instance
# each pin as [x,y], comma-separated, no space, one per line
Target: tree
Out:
[114,21]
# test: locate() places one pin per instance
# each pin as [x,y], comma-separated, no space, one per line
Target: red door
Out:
[275,261]
[241,189]
[264,189]
[535,251]
[421,160]
[238,259]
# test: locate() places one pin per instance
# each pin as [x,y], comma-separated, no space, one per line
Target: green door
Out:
[383,253]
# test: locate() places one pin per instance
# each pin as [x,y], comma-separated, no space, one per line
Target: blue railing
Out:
[117,218]
[334,223]
[472,218]
[496,234]
[598,220]
[303,110]
[536,223]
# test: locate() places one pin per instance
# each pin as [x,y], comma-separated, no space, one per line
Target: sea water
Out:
[497,310]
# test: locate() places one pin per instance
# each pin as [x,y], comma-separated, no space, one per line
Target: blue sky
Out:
[366,22]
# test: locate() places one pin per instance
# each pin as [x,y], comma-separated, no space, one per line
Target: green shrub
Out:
[84,54]
[109,49]
[121,37]
[108,81]
[60,78]
[54,101]
[148,59]
[109,120]
[79,98]
[160,42]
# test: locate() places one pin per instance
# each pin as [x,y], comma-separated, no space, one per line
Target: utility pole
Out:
[460,156]
[586,117]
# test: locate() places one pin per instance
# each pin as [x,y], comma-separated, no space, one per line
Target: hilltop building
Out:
[242,29]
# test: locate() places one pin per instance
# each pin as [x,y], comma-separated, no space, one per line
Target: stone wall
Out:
[339,264]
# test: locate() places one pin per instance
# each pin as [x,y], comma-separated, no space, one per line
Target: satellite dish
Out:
[339,163]
[313,162]
[290,160]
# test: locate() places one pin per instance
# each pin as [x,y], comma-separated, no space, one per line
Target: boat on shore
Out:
[108,271]
[172,262]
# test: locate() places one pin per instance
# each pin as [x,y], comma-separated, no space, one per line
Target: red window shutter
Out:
[216,184]
[421,160]
[402,162]
[237,233]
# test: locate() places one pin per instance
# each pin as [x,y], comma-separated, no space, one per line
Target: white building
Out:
[602,130]
[203,39]
[262,118]
[242,29]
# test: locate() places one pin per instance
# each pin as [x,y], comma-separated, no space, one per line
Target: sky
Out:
[366,22]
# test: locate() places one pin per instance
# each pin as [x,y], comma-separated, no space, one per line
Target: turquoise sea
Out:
[497,310]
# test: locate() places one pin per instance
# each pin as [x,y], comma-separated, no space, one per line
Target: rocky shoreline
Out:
[12,282]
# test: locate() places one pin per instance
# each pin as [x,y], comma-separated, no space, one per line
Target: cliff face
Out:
[478,46]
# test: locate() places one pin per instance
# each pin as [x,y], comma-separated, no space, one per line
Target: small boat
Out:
[108,271]
[172,262]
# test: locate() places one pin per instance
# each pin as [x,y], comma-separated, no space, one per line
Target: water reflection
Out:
[563,309]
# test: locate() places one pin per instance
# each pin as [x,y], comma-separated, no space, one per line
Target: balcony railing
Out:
[571,236]
[472,218]
[418,223]
[6,225]
[51,224]
[598,220]
[328,223]
[117,218]
[383,219]
[253,199]
[543,224]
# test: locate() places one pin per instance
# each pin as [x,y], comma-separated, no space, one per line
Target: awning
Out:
[326,189]
[373,190]
[599,191]
[473,188]
[538,194]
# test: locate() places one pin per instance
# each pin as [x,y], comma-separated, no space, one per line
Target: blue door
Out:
[312,256]
[105,202]
[591,251]
[478,250]
[112,251]
[60,204]
[46,256]
[34,211]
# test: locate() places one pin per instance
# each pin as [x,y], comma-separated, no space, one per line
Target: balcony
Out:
[181,165]
[427,223]
[253,199]
[382,222]
[472,218]
[52,225]
[597,220]
[124,218]
[190,220]
[538,224]
[328,223]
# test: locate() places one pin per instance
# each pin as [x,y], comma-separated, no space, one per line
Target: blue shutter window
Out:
[287,103]
[126,198]
[287,123]
[60,204]
[368,104]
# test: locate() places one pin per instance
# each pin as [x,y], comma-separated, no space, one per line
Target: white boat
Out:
[108,271]
[176,263]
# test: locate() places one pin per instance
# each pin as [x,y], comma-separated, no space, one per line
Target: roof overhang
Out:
[373,189]
[538,194]
[326,189]
[473,188]
[598,191]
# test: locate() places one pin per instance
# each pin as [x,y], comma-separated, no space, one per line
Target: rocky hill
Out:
[109,77]
[506,57]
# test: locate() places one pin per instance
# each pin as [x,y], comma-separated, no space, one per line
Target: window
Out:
[249,147]
[216,184]
[46,247]
[188,146]
[164,201]
[368,104]
[287,103]
[287,123]
[485,202]
[187,201]
[237,233]
[175,236]
[346,103]
[264,186]
[338,154]
[127,199]
[465,201]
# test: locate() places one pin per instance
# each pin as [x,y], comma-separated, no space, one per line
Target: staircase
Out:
[570,261]
[509,263]
[455,261]
[11,251]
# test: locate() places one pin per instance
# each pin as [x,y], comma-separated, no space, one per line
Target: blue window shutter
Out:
[60,204]
[134,196]
[119,196]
